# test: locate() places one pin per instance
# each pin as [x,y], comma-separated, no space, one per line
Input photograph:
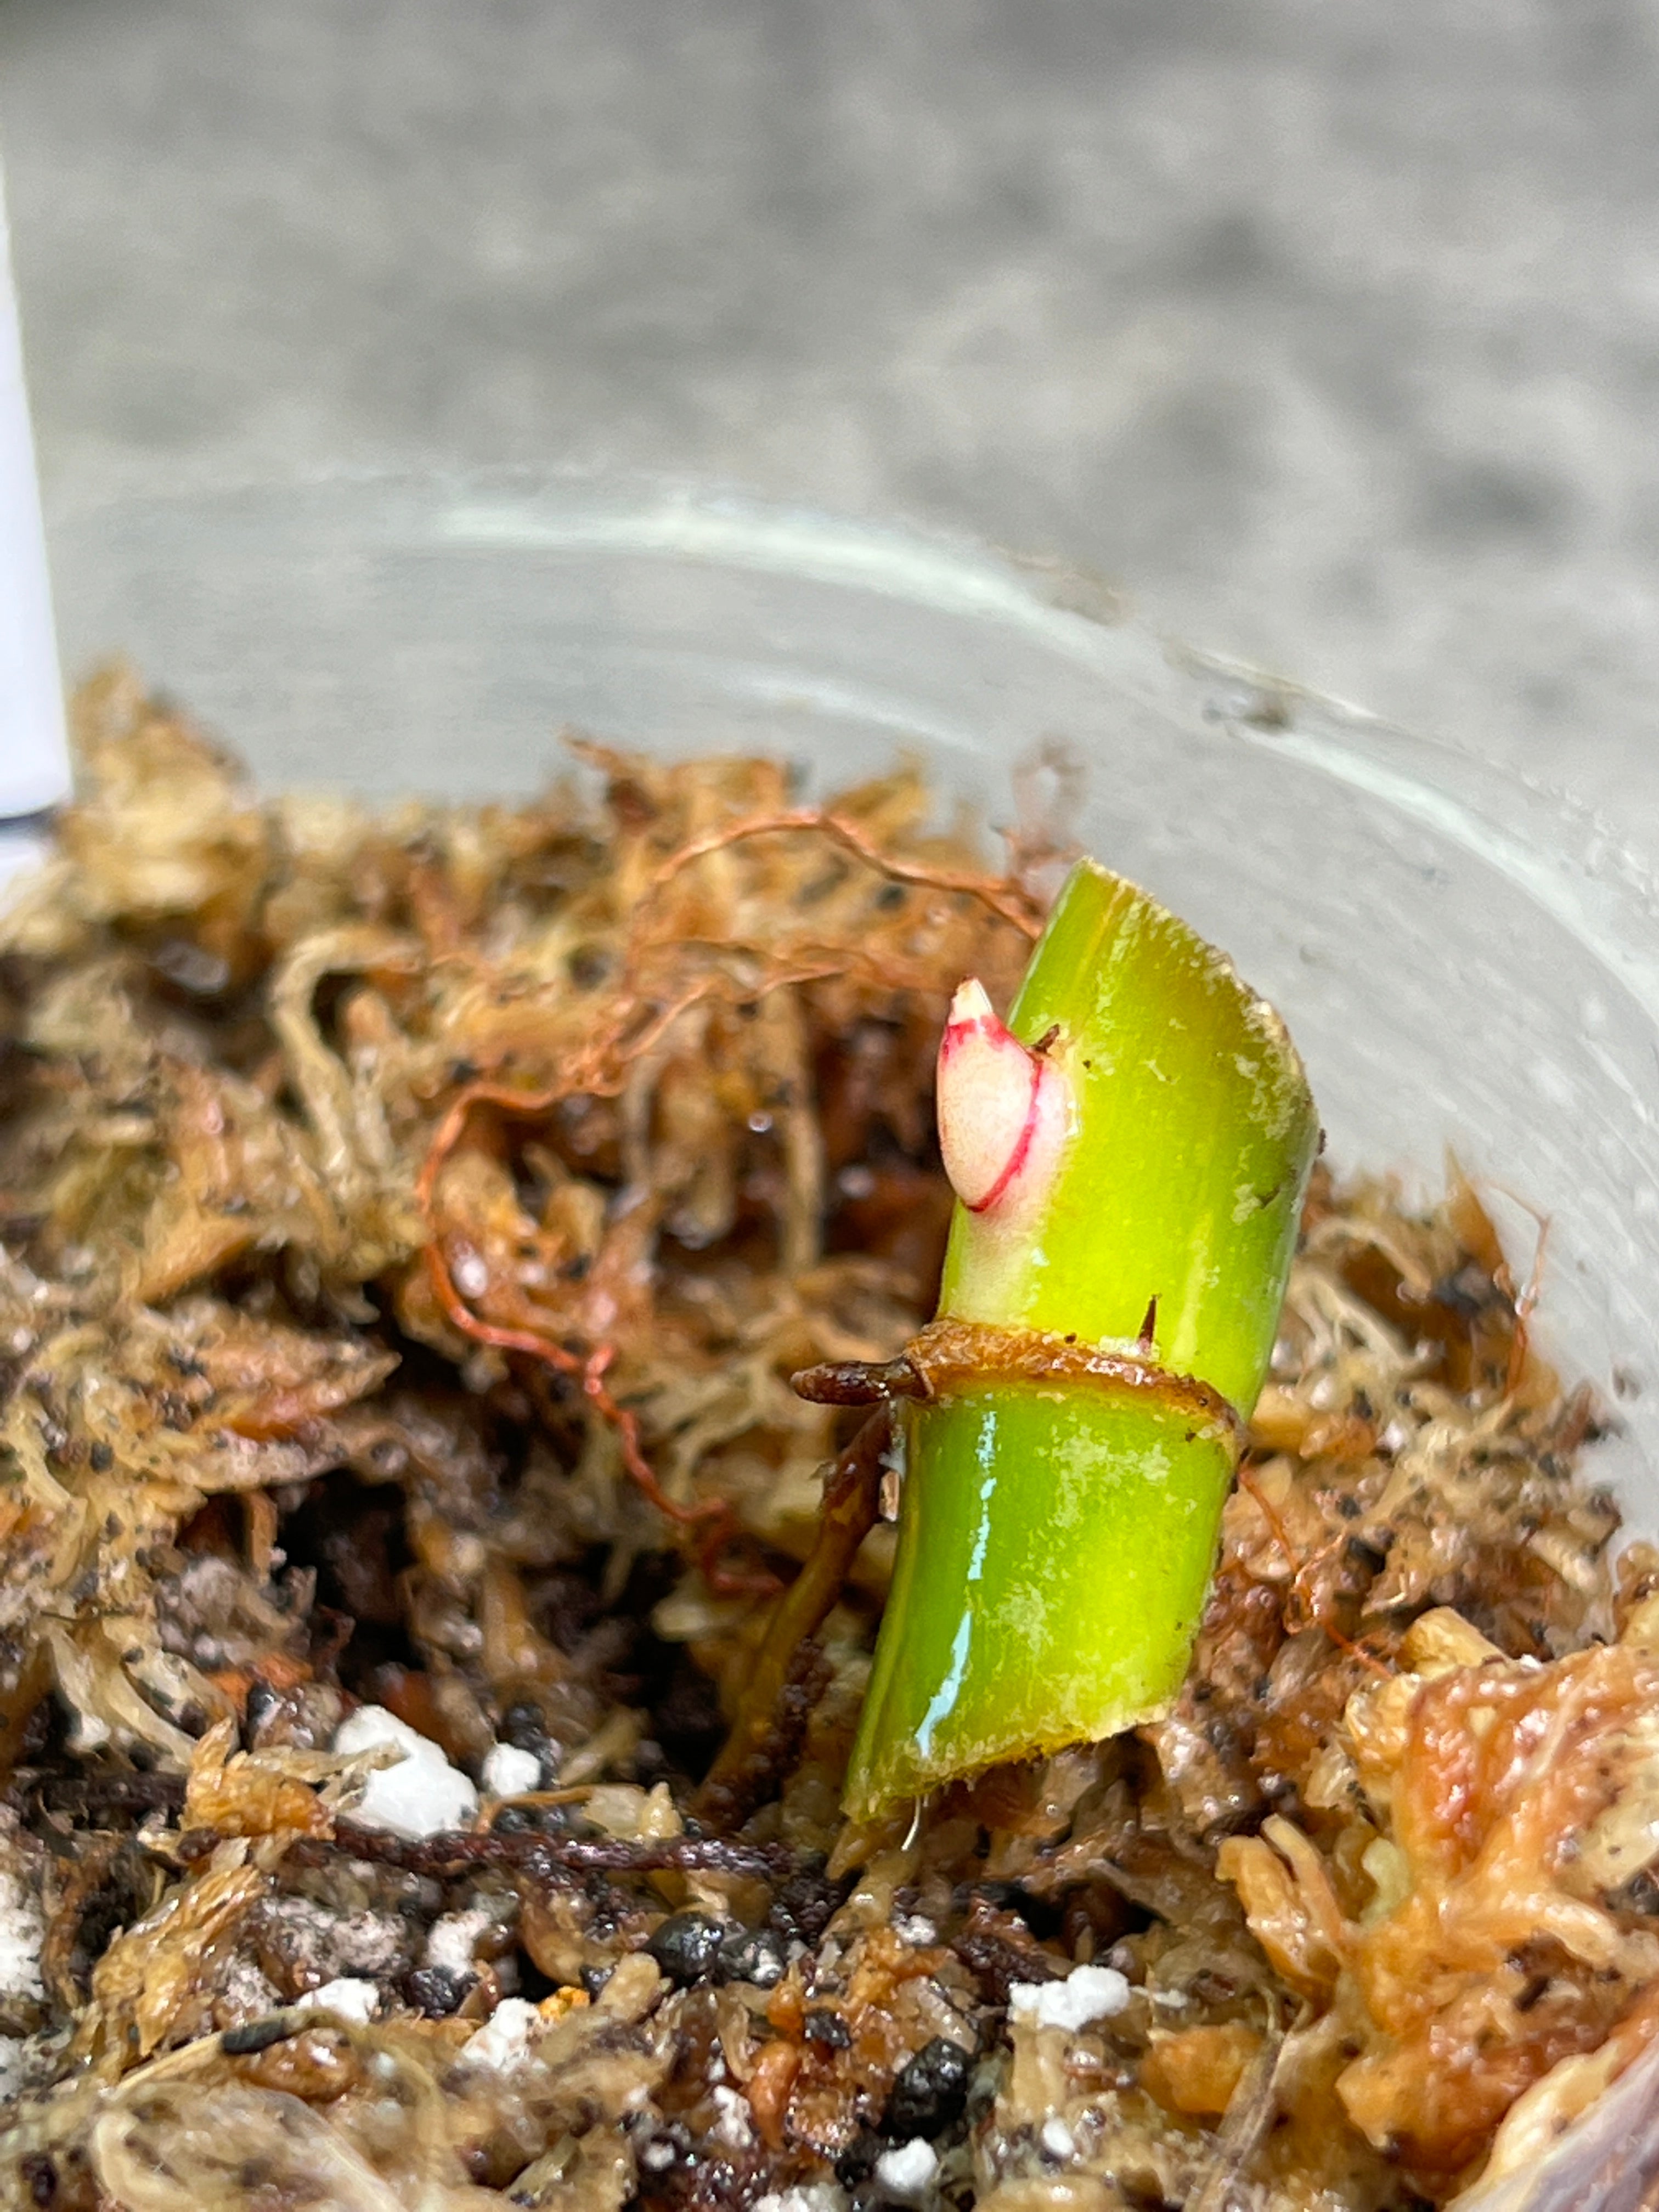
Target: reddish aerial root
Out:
[598,1073]
[1005,900]
[716,1515]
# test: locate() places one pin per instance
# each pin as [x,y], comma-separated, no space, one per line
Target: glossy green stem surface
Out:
[1056,1540]
[1194,1132]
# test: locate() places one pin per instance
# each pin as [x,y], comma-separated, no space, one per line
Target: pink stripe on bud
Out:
[1004,1111]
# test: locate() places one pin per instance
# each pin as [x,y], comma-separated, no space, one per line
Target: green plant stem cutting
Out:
[1129,1155]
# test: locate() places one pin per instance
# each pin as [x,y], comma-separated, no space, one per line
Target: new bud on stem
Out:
[1129,1155]
[1004,1110]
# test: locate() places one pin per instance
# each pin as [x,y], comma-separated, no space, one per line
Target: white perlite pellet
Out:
[804,2196]
[509,1773]
[454,1939]
[22,1932]
[419,1797]
[348,1999]
[1088,1993]
[504,2041]
[907,2170]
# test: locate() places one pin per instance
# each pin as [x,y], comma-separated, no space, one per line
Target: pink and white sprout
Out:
[1004,1111]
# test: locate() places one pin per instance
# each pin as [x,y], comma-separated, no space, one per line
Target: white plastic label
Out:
[33,751]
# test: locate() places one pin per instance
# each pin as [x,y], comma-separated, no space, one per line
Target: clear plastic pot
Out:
[1465,961]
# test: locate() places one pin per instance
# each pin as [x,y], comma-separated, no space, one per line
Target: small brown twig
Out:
[453,1851]
[852,1493]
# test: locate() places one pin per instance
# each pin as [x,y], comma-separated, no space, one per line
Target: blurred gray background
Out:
[1327,328]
